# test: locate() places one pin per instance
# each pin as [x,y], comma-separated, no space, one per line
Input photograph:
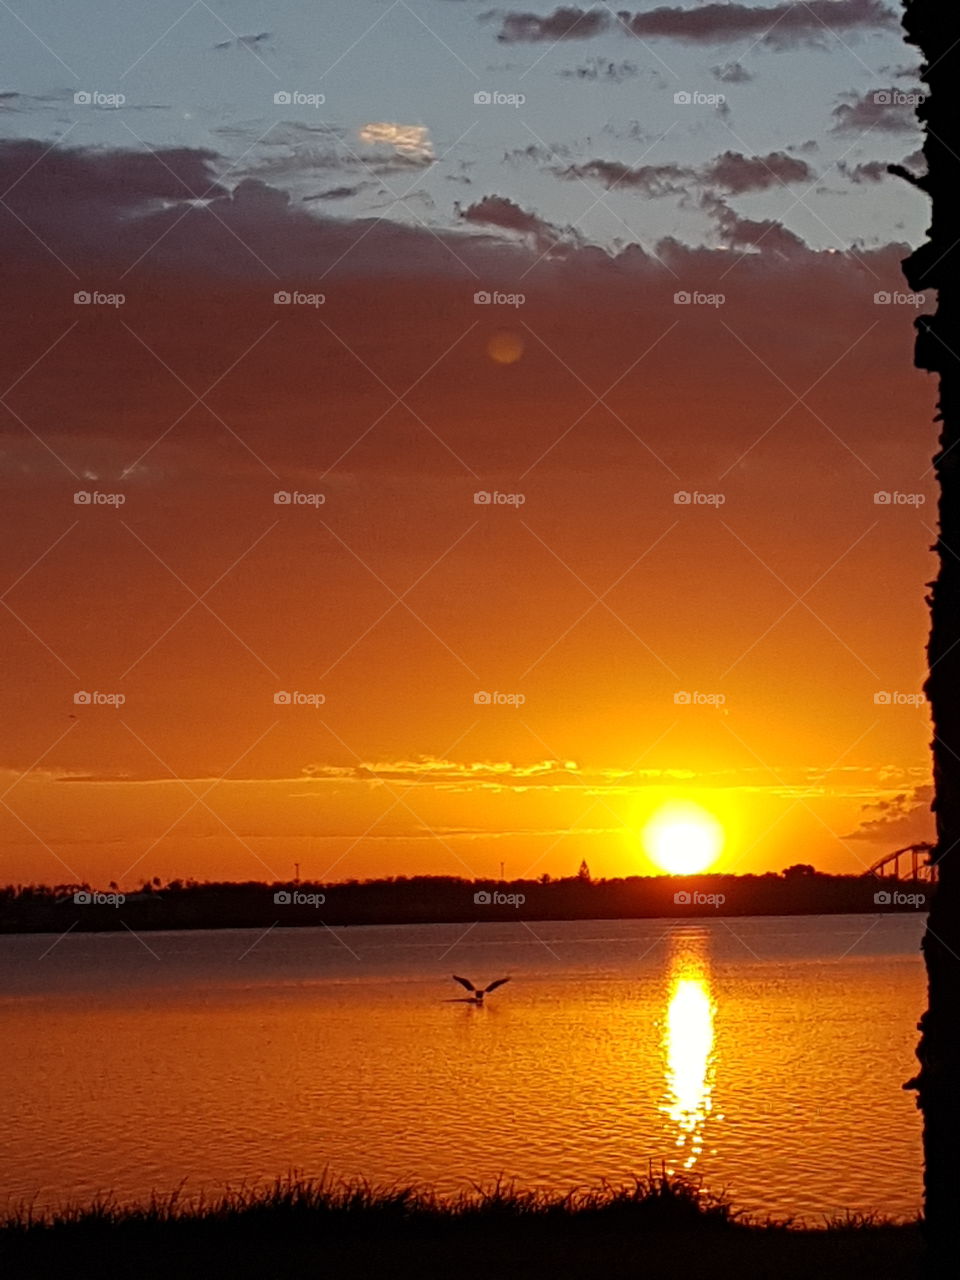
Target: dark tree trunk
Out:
[934,27]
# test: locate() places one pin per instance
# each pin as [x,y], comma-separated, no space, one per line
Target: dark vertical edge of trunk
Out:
[934,27]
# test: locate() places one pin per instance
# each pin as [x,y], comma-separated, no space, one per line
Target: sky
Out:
[435,437]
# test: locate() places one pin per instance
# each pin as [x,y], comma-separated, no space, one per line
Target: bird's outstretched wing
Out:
[493,985]
[465,982]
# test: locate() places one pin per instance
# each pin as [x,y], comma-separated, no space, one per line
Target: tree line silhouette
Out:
[194,904]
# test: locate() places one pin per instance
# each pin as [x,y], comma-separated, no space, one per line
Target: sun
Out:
[683,838]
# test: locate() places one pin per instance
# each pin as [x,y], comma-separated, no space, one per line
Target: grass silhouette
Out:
[659,1224]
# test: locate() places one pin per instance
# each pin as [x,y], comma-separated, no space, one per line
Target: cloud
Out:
[731,172]
[408,142]
[886,110]
[202,266]
[291,149]
[737,174]
[902,816]
[245,42]
[122,179]
[436,772]
[732,73]
[604,70]
[870,171]
[738,232]
[651,179]
[902,71]
[562,24]
[499,211]
[780,26]
[339,193]
[534,151]
[427,772]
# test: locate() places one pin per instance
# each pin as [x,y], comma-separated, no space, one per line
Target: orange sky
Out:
[782,611]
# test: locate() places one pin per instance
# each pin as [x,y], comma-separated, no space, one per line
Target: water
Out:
[764,1055]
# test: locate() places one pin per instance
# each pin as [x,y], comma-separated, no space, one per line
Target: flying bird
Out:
[479,993]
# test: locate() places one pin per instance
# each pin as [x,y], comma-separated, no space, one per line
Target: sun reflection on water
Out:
[688,1043]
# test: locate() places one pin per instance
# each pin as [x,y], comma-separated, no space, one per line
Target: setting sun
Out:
[683,838]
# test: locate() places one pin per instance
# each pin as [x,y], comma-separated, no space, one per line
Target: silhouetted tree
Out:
[584,872]
[934,27]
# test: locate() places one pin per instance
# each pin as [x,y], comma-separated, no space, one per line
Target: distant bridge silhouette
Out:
[912,862]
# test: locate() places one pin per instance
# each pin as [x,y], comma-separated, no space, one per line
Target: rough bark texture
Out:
[934,27]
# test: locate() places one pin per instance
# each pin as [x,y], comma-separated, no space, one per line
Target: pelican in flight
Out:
[479,993]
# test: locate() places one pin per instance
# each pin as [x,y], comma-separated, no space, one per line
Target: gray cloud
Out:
[737,174]
[732,73]
[870,171]
[339,193]
[651,179]
[731,172]
[898,817]
[245,42]
[603,69]
[780,26]
[738,232]
[499,211]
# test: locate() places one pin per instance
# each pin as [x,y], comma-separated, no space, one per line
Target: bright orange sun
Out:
[683,838]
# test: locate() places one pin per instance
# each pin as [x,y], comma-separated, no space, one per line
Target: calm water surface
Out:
[766,1055]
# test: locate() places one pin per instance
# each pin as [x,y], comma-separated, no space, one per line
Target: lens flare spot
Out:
[505,346]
